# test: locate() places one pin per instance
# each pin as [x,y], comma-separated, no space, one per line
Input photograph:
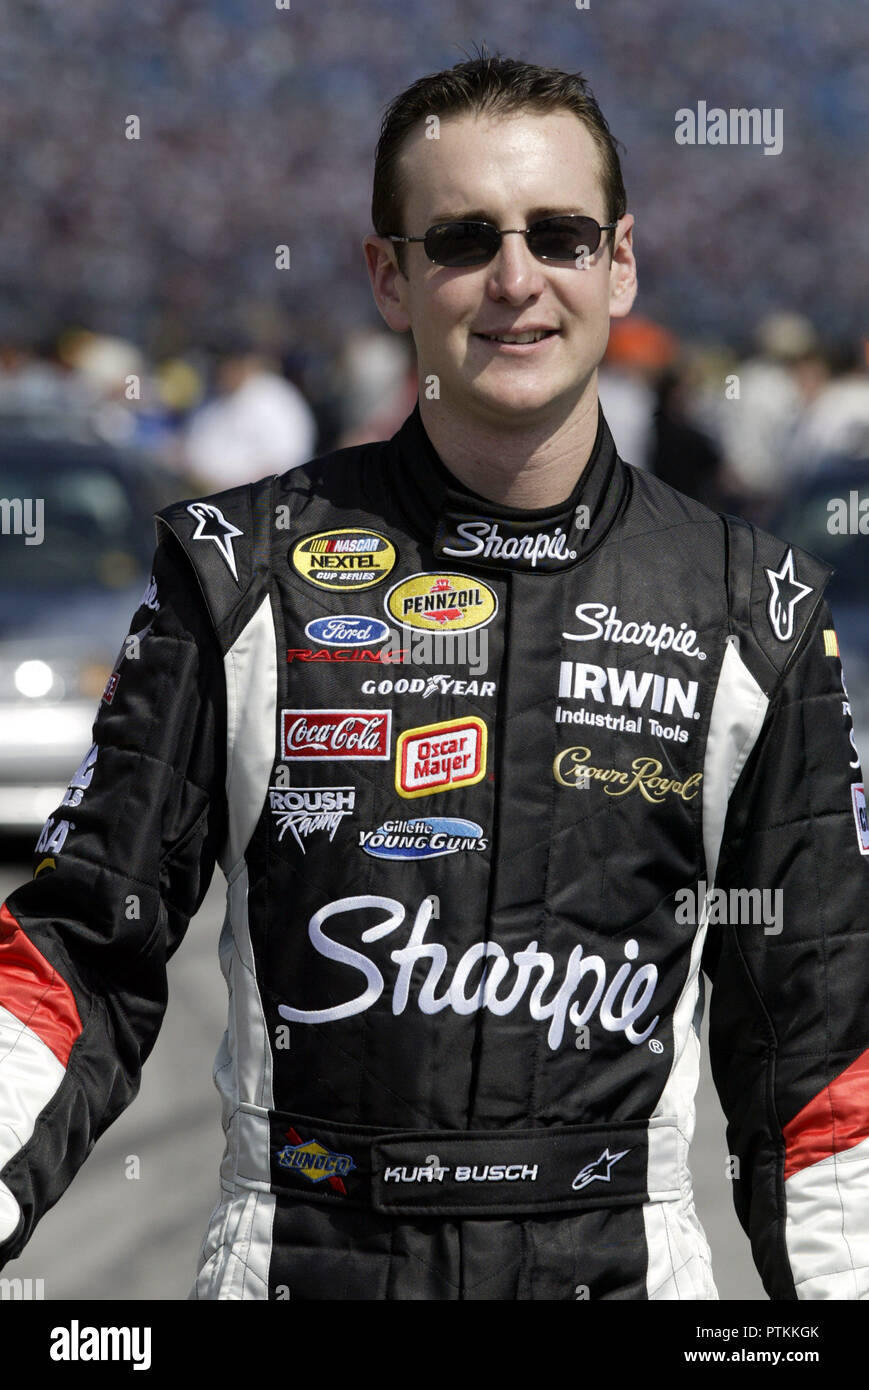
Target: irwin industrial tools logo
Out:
[345,558]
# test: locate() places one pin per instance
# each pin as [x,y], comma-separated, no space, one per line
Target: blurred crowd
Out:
[189,181]
[254,125]
[735,431]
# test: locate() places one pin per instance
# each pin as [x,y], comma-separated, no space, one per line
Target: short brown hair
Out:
[486,83]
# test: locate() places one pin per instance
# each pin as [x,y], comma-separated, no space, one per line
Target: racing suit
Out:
[487,786]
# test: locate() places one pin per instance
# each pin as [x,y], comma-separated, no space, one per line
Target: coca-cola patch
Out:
[335,734]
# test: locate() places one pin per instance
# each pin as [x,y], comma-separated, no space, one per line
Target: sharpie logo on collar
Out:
[599,620]
[619,1000]
[348,630]
[504,544]
[423,839]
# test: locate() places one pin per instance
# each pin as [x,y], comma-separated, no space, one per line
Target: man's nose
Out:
[515,273]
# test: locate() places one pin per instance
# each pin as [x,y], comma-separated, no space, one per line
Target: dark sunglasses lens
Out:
[564,238]
[461,243]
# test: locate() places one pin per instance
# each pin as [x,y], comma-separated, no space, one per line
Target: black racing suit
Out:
[471,774]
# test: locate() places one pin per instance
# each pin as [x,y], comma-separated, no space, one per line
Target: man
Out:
[468,895]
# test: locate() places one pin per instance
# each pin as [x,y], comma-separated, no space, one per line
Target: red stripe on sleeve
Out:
[837,1119]
[32,990]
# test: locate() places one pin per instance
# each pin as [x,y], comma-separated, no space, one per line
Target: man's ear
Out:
[623,269]
[388,284]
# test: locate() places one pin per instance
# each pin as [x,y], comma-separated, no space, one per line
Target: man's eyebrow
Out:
[481,215]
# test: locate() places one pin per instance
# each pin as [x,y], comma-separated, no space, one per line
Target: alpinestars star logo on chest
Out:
[213,526]
[785,592]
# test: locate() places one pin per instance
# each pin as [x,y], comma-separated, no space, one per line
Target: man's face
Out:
[508,170]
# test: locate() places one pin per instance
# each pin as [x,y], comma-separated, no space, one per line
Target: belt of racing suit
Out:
[486,1172]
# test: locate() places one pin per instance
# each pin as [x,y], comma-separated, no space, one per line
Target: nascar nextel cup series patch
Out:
[346,558]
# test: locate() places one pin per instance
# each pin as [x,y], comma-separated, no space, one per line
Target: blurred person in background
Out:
[464,978]
[259,423]
[758,423]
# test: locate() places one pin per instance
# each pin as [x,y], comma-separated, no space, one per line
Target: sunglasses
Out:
[563,238]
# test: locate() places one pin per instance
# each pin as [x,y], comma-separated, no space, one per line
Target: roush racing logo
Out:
[335,734]
[437,757]
[304,810]
[485,977]
[442,602]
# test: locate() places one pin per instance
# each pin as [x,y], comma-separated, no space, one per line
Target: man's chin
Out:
[519,402]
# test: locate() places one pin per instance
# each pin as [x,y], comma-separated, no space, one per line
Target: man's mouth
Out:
[534,337]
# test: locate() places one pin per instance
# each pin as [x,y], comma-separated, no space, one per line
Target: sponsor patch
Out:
[427,686]
[149,598]
[81,778]
[438,757]
[335,734]
[785,592]
[312,1160]
[347,630]
[571,768]
[53,835]
[305,810]
[213,526]
[831,642]
[503,544]
[601,620]
[383,658]
[599,1171]
[423,839]
[580,680]
[858,800]
[346,558]
[111,687]
[441,603]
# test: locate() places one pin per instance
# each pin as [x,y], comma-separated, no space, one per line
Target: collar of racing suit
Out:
[471,528]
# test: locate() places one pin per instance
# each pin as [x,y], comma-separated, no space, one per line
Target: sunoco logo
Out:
[315,1162]
[423,839]
[343,559]
[441,602]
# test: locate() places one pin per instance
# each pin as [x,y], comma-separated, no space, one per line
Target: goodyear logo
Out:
[315,1162]
[441,603]
[343,559]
